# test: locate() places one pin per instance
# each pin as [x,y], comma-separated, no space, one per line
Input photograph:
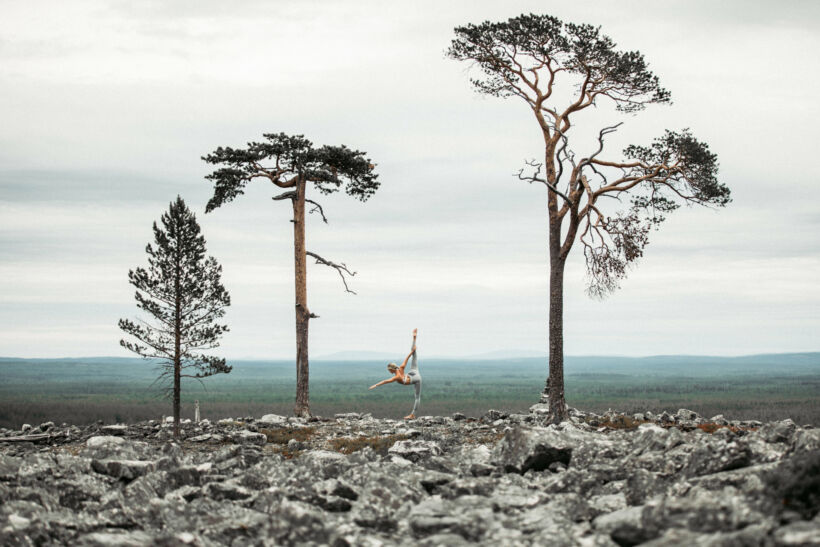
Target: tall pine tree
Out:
[183,293]
[292,162]
[605,204]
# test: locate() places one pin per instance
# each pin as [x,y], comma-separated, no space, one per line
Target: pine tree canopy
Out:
[182,293]
[530,44]
[283,159]
[533,56]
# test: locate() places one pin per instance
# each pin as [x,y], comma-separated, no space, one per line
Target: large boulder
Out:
[104,441]
[126,470]
[272,420]
[536,448]
[414,450]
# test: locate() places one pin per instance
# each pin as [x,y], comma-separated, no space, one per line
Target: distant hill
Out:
[359,355]
[356,355]
[507,354]
[787,364]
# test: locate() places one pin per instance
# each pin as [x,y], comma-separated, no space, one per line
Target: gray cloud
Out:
[109,106]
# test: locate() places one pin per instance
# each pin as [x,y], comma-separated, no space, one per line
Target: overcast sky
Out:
[107,106]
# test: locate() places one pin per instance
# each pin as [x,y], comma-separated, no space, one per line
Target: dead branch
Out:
[317,208]
[26,438]
[285,195]
[342,268]
[535,178]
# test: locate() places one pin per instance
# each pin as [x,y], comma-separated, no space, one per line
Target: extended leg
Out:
[417,386]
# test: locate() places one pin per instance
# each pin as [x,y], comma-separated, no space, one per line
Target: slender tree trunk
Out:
[177,344]
[302,407]
[555,382]
[177,366]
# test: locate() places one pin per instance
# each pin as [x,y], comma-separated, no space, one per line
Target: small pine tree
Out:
[183,292]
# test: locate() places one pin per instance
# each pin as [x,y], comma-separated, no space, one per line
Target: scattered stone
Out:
[604,480]
[249,437]
[201,438]
[118,429]
[271,420]
[415,451]
[535,448]
[123,469]
[104,442]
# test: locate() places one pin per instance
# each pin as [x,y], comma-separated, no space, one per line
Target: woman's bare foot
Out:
[410,417]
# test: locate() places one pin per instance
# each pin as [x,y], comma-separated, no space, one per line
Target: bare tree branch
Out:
[317,208]
[285,195]
[535,178]
[341,268]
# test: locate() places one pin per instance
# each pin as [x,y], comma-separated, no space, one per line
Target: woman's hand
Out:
[373,386]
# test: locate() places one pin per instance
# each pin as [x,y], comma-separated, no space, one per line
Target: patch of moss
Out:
[712,427]
[486,438]
[349,445]
[285,434]
[618,422]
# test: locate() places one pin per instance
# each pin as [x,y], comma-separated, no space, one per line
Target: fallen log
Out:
[26,438]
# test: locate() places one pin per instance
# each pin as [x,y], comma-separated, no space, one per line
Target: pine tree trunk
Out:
[555,382]
[176,395]
[177,344]
[302,407]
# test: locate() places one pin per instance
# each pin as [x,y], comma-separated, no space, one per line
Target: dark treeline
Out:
[83,391]
[15,413]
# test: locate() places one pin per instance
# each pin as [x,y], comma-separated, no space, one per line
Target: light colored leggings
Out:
[415,379]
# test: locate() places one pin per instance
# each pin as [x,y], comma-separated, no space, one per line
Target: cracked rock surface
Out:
[671,479]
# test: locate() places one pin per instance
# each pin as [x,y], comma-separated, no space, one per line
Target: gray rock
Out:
[684,415]
[493,415]
[272,420]
[104,442]
[8,467]
[540,408]
[249,437]
[117,429]
[203,438]
[715,455]
[523,449]
[116,539]
[607,503]
[436,515]
[570,485]
[719,420]
[383,500]
[123,469]
[626,526]
[414,451]
[804,533]
[778,432]
[228,490]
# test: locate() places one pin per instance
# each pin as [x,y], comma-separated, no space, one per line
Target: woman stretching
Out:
[411,377]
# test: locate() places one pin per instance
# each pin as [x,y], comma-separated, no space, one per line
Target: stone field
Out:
[597,480]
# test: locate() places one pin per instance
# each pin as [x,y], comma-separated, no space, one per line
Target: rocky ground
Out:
[354,480]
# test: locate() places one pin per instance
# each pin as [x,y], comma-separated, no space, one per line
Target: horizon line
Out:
[442,357]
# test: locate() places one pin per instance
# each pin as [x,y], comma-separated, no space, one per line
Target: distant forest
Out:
[82,391]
